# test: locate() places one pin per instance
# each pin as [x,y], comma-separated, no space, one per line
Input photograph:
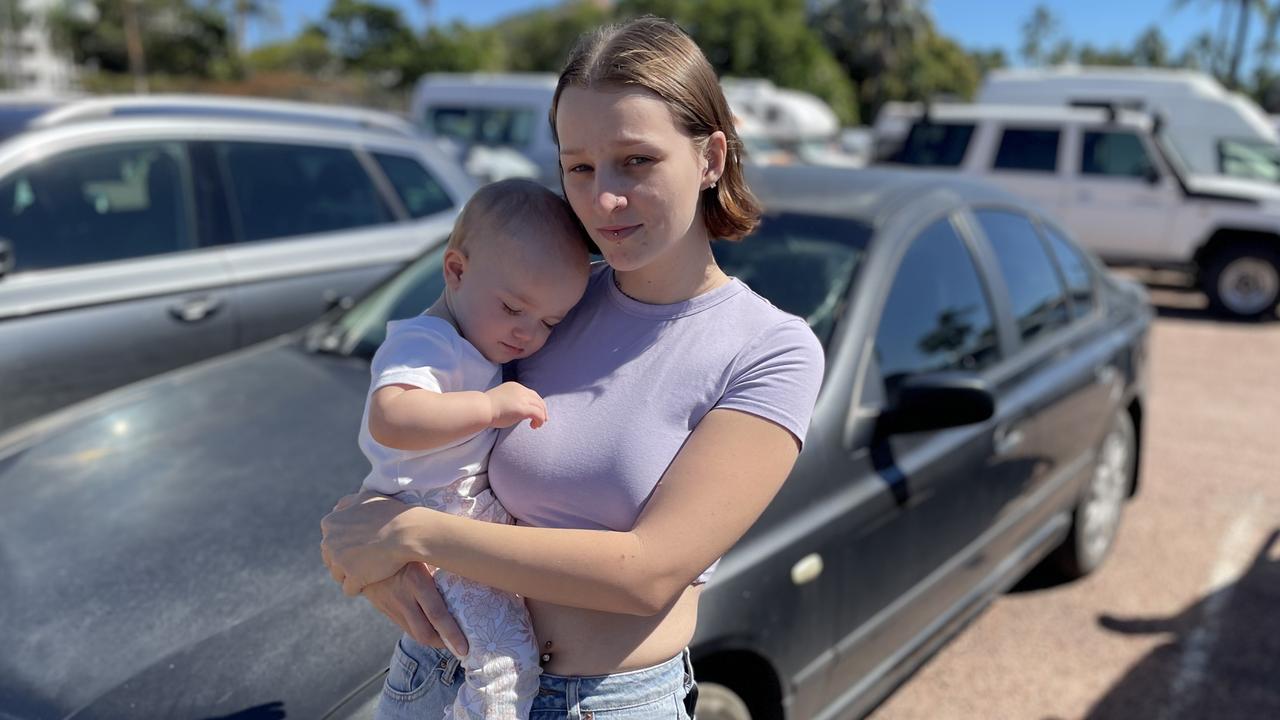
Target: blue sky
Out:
[974,24]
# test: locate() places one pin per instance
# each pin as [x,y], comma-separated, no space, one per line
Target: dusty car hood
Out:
[159,546]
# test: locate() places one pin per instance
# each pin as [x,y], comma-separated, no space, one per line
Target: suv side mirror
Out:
[1150,174]
[936,401]
[6,257]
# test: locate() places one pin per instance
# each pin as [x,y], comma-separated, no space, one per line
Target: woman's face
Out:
[632,176]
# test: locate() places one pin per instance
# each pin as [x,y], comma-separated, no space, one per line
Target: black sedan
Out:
[981,413]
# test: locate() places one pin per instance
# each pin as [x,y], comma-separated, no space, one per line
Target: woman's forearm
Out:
[594,569]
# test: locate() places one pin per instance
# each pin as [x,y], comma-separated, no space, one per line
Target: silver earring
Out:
[713,185]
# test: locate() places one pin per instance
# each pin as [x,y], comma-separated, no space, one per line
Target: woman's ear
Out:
[717,150]
[455,264]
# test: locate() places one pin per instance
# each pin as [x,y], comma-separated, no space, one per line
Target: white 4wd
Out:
[1112,180]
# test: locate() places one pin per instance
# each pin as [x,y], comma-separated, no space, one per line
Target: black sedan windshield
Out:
[804,264]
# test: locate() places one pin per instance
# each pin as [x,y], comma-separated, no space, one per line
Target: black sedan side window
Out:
[1035,292]
[937,316]
[1076,270]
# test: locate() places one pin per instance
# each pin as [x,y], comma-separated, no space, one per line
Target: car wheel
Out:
[1097,516]
[717,702]
[1243,281]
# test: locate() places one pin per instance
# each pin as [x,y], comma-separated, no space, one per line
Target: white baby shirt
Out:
[427,352]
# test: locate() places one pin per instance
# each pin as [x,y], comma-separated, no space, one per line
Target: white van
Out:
[1109,178]
[1214,130]
[492,110]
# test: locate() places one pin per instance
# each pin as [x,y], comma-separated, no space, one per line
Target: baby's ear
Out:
[455,264]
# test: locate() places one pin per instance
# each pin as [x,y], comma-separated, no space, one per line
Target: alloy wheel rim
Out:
[1249,285]
[1106,495]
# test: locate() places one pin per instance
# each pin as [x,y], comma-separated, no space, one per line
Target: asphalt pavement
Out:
[1182,622]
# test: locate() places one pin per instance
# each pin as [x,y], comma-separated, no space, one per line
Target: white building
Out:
[28,61]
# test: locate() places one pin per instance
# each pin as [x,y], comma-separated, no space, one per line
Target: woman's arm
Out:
[718,484]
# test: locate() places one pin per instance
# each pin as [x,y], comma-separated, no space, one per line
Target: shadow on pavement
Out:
[1222,659]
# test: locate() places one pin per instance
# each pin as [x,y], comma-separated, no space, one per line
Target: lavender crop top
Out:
[625,384]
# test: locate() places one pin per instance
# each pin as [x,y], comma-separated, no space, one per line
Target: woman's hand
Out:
[411,600]
[359,543]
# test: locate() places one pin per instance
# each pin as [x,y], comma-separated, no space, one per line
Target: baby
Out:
[516,263]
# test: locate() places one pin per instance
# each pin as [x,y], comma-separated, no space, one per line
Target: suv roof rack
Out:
[225,106]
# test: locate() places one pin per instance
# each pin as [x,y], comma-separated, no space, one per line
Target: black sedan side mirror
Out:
[936,401]
[6,257]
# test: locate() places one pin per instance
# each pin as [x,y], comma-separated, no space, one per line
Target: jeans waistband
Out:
[616,691]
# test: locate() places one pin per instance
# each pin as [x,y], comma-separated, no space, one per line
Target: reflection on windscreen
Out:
[804,264]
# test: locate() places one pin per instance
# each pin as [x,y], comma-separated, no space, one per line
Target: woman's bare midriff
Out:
[589,642]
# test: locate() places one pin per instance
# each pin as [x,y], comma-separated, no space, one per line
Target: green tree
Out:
[1150,49]
[759,38]
[932,67]
[987,60]
[307,53]
[872,39]
[375,39]
[459,48]
[1201,53]
[177,38]
[1038,32]
[1090,55]
[539,41]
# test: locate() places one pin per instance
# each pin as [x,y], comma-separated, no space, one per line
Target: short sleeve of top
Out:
[777,377]
[426,352]
[423,352]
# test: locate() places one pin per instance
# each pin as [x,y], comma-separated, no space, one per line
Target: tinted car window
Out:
[1028,150]
[511,127]
[1076,270]
[1035,292]
[89,206]
[803,264]
[282,190]
[421,194]
[1114,153]
[937,316]
[935,145]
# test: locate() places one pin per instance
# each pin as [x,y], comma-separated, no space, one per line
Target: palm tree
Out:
[1244,9]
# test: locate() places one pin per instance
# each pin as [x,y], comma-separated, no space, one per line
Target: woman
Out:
[677,402]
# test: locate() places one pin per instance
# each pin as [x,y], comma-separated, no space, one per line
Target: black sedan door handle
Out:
[195,309]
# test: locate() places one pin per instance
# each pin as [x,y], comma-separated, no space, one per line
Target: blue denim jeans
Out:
[423,681]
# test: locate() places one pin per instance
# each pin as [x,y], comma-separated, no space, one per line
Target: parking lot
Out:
[1181,622]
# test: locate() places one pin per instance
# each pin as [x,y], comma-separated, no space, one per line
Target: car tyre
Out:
[718,702]
[1096,518]
[1243,281]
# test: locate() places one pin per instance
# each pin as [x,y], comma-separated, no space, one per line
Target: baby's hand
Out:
[513,402]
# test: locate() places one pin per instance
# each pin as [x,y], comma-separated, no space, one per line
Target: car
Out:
[492,112]
[138,235]
[982,412]
[1216,131]
[1118,185]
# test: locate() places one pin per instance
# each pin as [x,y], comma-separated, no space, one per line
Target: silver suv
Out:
[139,235]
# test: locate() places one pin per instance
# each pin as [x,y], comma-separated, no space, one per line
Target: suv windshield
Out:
[804,264]
[1253,159]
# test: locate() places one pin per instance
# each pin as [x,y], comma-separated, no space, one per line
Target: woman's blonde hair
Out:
[655,54]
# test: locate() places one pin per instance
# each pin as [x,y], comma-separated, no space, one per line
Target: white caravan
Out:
[1214,130]
[491,111]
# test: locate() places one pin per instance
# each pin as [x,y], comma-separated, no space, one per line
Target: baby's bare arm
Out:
[405,417]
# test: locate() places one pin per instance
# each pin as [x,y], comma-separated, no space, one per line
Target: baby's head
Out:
[516,264]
